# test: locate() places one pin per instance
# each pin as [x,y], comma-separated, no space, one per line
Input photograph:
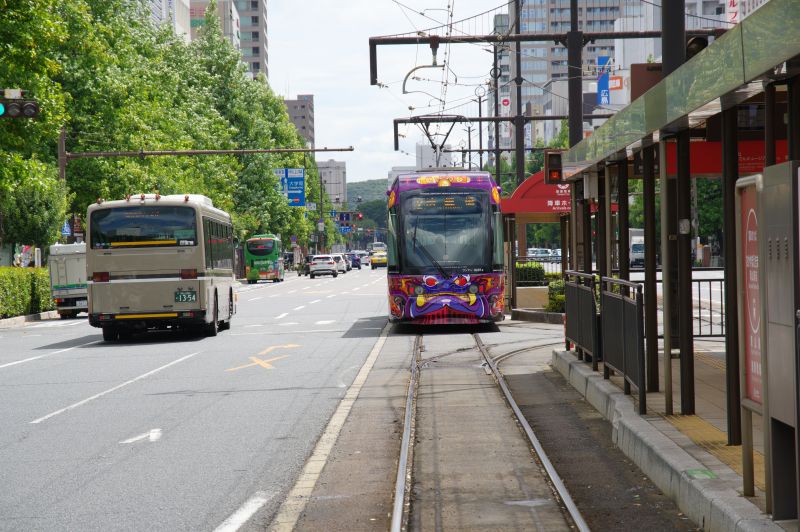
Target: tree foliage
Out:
[115,81]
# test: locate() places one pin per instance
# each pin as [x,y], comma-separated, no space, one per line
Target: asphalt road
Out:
[171,432]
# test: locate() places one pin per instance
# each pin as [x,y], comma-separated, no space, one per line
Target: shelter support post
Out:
[684,301]
[602,222]
[665,276]
[793,122]
[769,124]
[650,295]
[586,205]
[730,173]
[624,221]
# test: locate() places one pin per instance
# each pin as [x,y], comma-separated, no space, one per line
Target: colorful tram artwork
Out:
[263,258]
[445,248]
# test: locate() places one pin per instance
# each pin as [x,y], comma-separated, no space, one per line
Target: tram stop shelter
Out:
[732,111]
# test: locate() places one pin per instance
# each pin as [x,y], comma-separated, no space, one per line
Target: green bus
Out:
[263,258]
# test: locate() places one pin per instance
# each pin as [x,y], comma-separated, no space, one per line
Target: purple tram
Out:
[445,248]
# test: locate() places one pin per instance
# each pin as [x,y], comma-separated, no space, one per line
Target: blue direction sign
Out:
[603,94]
[333,214]
[293,185]
[66,230]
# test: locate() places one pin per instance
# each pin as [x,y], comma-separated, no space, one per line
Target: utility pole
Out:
[480,92]
[496,81]
[519,124]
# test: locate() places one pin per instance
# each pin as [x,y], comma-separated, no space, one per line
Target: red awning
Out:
[534,196]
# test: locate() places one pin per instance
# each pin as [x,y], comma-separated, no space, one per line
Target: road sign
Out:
[292,185]
[320,226]
[603,96]
[66,230]
[615,83]
[333,214]
[506,102]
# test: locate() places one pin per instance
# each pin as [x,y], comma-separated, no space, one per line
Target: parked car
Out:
[323,265]
[341,262]
[540,255]
[355,259]
[379,259]
[555,255]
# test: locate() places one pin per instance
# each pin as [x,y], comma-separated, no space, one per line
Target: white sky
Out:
[320,47]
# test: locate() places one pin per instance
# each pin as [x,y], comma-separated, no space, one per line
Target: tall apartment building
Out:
[301,113]
[334,178]
[174,12]
[228,15]
[544,64]
[504,89]
[255,52]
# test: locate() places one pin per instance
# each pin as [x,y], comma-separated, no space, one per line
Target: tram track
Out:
[402,504]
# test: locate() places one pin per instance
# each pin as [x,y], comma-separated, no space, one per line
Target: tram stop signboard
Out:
[750,292]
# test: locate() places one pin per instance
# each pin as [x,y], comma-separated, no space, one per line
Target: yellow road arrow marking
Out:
[258,362]
[272,348]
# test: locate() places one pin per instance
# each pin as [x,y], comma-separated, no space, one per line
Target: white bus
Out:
[159,262]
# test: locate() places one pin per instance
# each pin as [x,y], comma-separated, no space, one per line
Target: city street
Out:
[172,432]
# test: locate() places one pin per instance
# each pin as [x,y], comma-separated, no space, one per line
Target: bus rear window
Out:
[143,226]
[260,247]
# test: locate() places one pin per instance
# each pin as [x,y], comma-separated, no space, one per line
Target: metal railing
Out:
[524,265]
[581,314]
[622,307]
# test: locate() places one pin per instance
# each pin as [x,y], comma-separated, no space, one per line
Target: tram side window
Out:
[497,240]
[391,251]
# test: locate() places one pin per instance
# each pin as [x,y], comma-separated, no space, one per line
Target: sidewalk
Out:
[686,456]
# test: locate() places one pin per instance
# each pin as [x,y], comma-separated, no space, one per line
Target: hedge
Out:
[24,291]
[555,296]
[530,274]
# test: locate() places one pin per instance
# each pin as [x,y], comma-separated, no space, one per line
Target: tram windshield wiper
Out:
[427,253]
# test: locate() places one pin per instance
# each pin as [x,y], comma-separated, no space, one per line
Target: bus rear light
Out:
[106,317]
[189,274]
[58,300]
[187,314]
[100,277]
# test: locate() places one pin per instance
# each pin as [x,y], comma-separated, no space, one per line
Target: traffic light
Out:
[18,108]
[360,216]
[553,169]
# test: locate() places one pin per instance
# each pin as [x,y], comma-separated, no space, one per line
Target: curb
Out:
[537,316]
[714,504]
[19,321]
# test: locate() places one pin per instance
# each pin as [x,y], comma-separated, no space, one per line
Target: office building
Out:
[173,12]
[334,178]
[504,90]
[301,113]
[228,16]
[253,16]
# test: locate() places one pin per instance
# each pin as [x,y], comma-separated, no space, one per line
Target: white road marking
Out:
[356,288]
[301,307]
[256,298]
[245,512]
[306,287]
[275,333]
[332,295]
[274,295]
[47,354]
[291,291]
[255,325]
[115,388]
[298,497]
[325,322]
[152,435]
[284,324]
[281,316]
[315,301]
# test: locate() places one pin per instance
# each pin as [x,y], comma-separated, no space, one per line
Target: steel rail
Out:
[399,516]
[566,498]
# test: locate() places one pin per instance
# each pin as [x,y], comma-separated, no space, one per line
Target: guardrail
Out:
[581,314]
[622,335]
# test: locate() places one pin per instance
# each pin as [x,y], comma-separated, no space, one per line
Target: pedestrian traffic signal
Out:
[553,174]
[18,108]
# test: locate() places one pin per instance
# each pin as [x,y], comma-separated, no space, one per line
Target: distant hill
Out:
[371,190]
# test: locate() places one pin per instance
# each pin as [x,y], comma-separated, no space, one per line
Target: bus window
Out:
[143,226]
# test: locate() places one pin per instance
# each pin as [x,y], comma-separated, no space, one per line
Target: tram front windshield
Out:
[445,232]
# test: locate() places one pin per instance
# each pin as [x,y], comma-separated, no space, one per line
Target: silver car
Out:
[341,262]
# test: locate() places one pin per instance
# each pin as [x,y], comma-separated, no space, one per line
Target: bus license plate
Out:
[185,297]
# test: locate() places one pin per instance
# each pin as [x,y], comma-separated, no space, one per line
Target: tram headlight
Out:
[418,290]
[473,289]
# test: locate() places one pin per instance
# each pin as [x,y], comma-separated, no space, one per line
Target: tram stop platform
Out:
[686,456]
